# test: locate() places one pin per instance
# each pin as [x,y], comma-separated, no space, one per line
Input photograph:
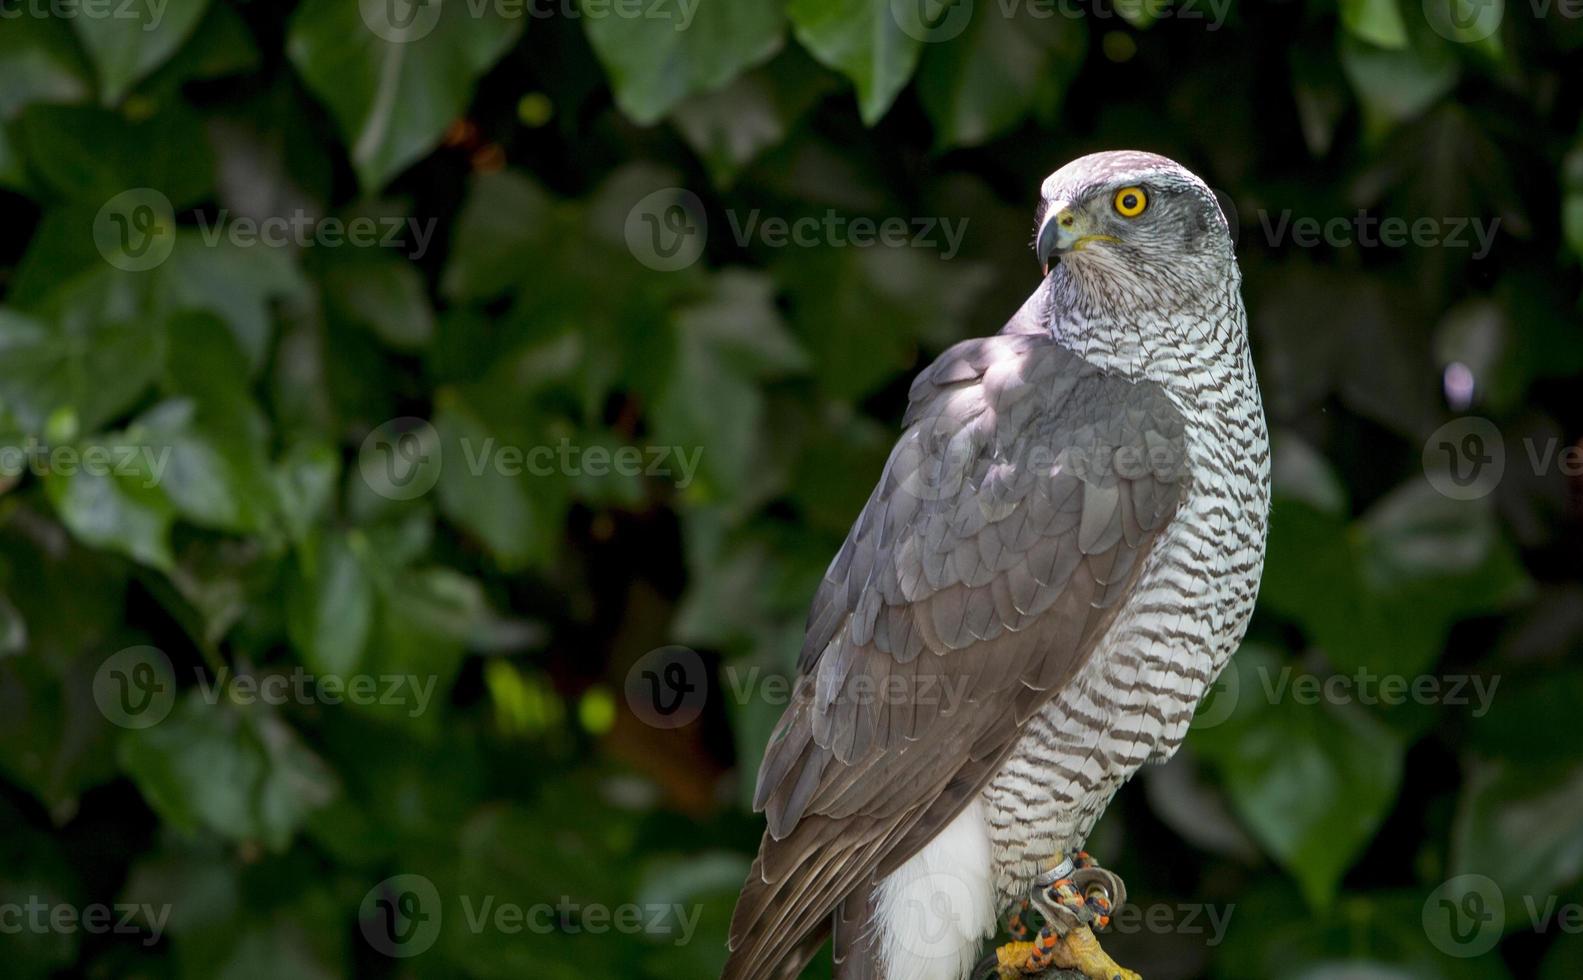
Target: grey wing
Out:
[1010,521]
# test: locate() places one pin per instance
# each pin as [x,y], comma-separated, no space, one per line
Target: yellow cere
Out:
[1130,202]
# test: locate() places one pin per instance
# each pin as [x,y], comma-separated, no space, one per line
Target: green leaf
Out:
[864,41]
[1382,593]
[505,217]
[88,372]
[1395,86]
[1572,199]
[654,64]
[238,283]
[711,410]
[330,604]
[1517,824]
[862,313]
[135,40]
[1313,781]
[91,155]
[730,127]
[236,770]
[486,488]
[1000,71]
[55,742]
[39,62]
[385,295]
[392,99]
[1379,22]
[118,505]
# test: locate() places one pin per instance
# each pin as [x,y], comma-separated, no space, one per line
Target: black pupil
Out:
[1129,201]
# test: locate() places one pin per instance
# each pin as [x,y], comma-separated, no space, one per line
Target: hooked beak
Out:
[1064,230]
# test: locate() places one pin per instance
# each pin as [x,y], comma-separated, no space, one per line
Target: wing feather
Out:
[1007,527]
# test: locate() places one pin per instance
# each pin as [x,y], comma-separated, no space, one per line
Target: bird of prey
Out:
[1062,553]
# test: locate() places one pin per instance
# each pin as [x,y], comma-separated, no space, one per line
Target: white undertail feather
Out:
[933,913]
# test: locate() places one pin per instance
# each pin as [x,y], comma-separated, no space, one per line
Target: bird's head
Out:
[1131,227]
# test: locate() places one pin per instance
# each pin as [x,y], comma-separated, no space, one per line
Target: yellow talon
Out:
[1010,958]
[1077,950]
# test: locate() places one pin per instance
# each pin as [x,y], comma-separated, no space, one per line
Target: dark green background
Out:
[1322,828]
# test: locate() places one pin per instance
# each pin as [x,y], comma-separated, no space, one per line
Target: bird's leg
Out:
[1016,926]
[1074,896]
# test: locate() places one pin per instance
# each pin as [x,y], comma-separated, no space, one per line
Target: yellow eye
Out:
[1130,202]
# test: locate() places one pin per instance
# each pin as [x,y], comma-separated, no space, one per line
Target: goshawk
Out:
[1061,555]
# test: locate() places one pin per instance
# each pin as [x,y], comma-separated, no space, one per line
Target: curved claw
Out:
[1061,906]
[1108,884]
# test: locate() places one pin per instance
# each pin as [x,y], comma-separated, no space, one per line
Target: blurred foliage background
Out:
[526,140]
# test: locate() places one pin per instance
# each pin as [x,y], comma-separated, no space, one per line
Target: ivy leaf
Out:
[39,62]
[330,604]
[864,41]
[393,98]
[119,508]
[1313,781]
[654,64]
[90,155]
[730,127]
[1380,594]
[998,72]
[384,295]
[711,409]
[88,373]
[126,47]
[1379,22]
[1396,85]
[239,771]
[484,486]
